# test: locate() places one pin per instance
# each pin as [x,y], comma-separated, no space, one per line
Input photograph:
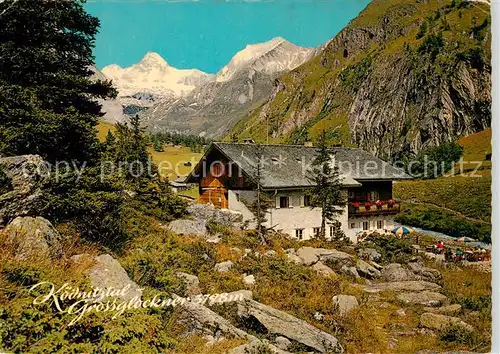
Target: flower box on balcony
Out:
[355,205]
[368,205]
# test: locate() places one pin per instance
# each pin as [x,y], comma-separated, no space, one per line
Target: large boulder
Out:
[426,273]
[335,259]
[396,272]
[191,281]
[447,310]
[188,227]
[322,269]
[366,270]
[33,238]
[106,273]
[439,322]
[280,323]
[401,286]
[210,213]
[425,298]
[344,303]
[21,191]
[369,254]
[223,267]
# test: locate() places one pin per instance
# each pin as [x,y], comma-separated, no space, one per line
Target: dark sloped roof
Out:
[286,166]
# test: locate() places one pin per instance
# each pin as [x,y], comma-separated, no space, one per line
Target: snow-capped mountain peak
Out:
[271,57]
[153,75]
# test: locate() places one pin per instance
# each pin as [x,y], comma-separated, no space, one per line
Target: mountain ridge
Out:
[387,83]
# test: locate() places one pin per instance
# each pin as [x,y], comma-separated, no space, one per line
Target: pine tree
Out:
[327,190]
[47,97]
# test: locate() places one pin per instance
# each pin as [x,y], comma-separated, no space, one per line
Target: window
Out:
[380,224]
[284,202]
[334,229]
[316,231]
[237,197]
[373,196]
[299,233]
[353,225]
[307,200]
[366,225]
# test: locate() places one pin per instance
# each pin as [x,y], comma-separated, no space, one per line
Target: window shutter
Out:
[301,198]
[277,202]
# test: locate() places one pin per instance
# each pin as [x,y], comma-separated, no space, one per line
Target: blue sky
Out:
[205,34]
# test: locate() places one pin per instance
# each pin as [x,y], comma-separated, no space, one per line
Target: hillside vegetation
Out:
[457,205]
[402,76]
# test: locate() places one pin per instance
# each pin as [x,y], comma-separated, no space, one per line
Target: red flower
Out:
[391,202]
[368,205]
[355,204]
[379,203]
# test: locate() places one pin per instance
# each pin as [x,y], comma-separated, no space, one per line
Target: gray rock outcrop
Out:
[191,281]
[425,298]
[21,194]
[439,322]
[280,323]
[209,213]
[188,227]
[33,237]
[224,267]
[344,303]
[107,273]
[400,286]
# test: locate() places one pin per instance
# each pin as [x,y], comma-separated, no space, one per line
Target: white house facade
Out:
[227,179]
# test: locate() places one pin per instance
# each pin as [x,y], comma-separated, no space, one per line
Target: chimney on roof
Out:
[308,144]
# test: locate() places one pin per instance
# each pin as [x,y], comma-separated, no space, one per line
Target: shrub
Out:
[458,334]
[391,248]
[434,161]
[432,44]
[474,56]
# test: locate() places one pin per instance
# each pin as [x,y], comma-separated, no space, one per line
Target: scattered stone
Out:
[294,258]
[367,270]
[426,298]
[107,273]
[322,269]
[396,272]
[282,342]
[426,273]
[344,303]
[209,213]
[307,255]
[33,238]
[192,283]
[450,309]
[223,267]
[290,251]
[213,240]
[27,175]
[400,313]
[370,254]
[336,259]
[409,286]
[384,305]
[350,271]
[270,253]
[319,316]
[188,227]
[281,323]
[249,280]
[439,322]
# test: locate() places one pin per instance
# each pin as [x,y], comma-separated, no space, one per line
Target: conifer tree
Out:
[47,95]
[327,185]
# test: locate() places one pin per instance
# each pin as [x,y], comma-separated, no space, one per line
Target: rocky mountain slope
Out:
[244,84]
[402,76]
[152,80]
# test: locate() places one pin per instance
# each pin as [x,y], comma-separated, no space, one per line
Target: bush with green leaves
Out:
[392,249]
[434,161]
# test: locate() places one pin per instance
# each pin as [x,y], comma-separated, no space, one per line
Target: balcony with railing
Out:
[388,207]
